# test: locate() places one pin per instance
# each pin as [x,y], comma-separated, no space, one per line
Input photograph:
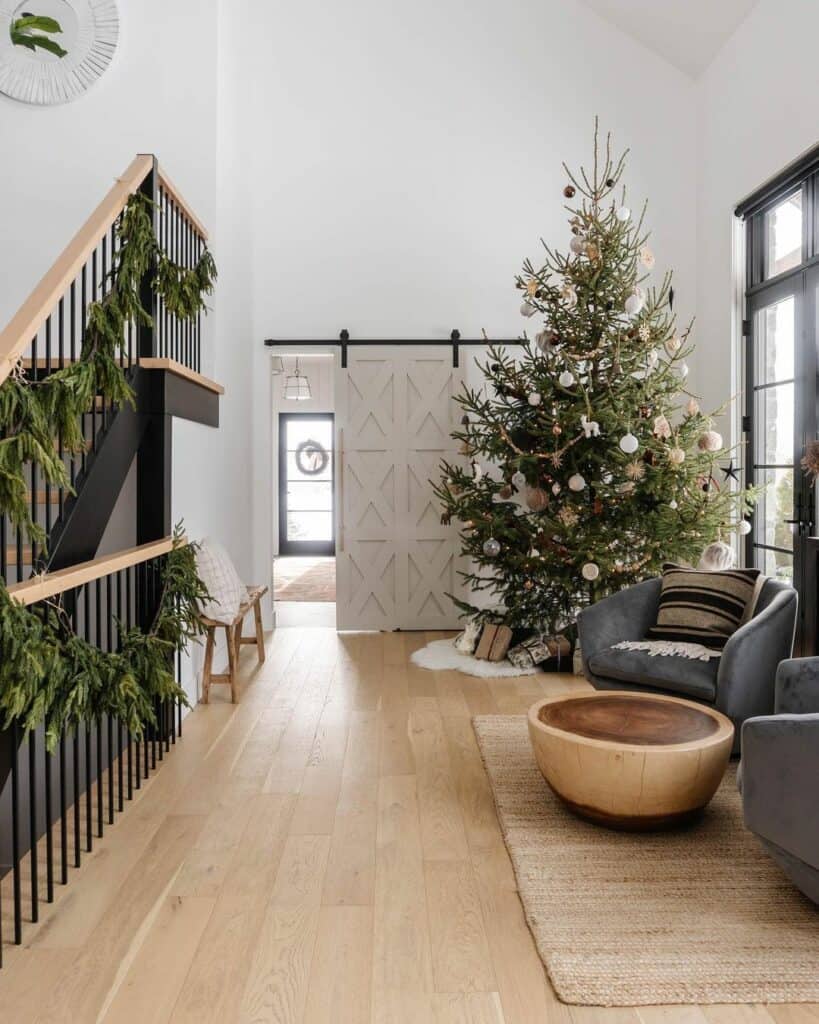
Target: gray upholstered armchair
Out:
[740,684]
[779,775]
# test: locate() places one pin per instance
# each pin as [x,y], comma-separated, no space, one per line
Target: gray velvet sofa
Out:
[779,775]
[740,684]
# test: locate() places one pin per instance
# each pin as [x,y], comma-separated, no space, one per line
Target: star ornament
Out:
[731,472]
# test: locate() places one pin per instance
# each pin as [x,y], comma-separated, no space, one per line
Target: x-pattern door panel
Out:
[396,562]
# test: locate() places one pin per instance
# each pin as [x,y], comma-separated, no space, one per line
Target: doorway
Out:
[305,570]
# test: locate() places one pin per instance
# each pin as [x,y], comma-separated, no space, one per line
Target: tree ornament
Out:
[629,443]
[576,482]
[744,527]
[622,214]
[527,309]
[716,557]
[534,399]
[590,427]
[556,489]
[730,472]
[676,456]
[652,360]
[569,191]
[557,430]
[634,303]
[644,332]
[532,287]
[673,504]
[590,571]
[464,421]
[578,245]
[537,499]
[673,345]
[505,493]
[545,340]
[693,407]
[465,448]
[710,441]
[569,296]
[647,258]
[592,252]
[518,480]
[566,379]
[568,516]
[491,548]
[662,428]
[635,470]
[682,369]
[606,478]
[477,472]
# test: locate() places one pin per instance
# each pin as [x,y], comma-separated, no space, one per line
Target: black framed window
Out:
[781,336]
[306,484]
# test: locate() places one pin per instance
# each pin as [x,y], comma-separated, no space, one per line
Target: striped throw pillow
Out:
[705,607]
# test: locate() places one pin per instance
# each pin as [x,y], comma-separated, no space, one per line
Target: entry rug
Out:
[699,915]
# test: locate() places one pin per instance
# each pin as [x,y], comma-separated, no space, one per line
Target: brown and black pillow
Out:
[705,607]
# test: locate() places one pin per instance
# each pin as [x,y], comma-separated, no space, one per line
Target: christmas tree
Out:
[586,463]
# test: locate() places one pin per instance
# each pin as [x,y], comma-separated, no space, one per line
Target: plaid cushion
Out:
[705,607]
[219,575]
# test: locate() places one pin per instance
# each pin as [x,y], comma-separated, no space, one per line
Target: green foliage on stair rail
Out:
[37,414]
[50,675]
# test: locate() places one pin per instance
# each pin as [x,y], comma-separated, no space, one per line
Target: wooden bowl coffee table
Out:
[631,760]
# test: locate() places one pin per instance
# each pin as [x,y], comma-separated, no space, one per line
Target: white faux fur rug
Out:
[440,655]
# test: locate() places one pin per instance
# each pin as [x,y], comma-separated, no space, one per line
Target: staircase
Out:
[53,806]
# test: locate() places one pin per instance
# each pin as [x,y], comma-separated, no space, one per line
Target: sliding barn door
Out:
[394,415]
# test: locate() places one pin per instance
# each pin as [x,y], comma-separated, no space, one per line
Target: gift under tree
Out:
[586,463]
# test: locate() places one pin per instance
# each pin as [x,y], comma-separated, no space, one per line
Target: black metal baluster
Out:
[15,833]
[63,817]
[89,818]
[32,825]
[49,766]
[72,349]
[83,308]
[76,796]
[99,779]
[94,286]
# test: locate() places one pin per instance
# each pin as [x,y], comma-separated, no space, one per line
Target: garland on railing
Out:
[49,674]
[34,414]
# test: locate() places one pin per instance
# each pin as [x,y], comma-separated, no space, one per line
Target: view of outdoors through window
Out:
[309,454]
[783,231]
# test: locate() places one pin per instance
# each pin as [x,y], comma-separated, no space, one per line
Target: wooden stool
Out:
[233,635]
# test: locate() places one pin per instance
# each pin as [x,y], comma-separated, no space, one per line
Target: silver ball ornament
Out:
[491,548]
[629,443]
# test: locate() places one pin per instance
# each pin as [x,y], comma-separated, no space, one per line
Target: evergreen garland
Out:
[34,414]
[49,674]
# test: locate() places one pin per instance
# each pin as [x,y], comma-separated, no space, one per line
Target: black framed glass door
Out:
[306,484]
[781,331]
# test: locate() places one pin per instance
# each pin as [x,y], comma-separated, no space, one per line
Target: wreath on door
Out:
[311,458]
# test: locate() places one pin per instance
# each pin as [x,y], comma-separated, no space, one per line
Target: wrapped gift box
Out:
[494,642]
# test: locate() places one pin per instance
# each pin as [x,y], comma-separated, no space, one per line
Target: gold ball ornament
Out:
[537,499]
[569,191]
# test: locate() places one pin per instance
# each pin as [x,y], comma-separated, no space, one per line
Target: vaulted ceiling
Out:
[688,33]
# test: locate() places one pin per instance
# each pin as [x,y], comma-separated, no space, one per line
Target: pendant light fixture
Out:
[277,366]
[297,386]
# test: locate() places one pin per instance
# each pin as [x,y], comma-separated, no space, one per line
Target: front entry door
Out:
[394,416]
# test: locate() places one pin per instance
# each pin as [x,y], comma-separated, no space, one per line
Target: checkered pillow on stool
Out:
[218,573]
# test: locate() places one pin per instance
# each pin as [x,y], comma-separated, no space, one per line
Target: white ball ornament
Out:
[682,369]
[622,214]
[673,504]
[577,245]
[710,441]
[566,379]
[576,482]
[744,527]
[629,443]
[491,548]
[534,399]
[518,480]
[590,571]
[527,309]
[634,303]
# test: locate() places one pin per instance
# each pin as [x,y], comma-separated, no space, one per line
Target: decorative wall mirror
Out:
[51,51]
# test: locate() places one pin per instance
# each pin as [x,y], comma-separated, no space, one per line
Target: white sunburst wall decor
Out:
[88,34]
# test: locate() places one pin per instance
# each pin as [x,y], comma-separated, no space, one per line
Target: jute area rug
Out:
[693,916]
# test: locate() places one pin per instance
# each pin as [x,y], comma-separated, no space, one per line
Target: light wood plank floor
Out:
[326,851]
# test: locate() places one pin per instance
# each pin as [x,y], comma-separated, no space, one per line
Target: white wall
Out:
[405,158]
[756,113]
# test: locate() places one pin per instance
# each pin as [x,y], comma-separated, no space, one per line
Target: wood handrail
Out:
[24,325]
[182,203]
[50,584]
[172,366]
